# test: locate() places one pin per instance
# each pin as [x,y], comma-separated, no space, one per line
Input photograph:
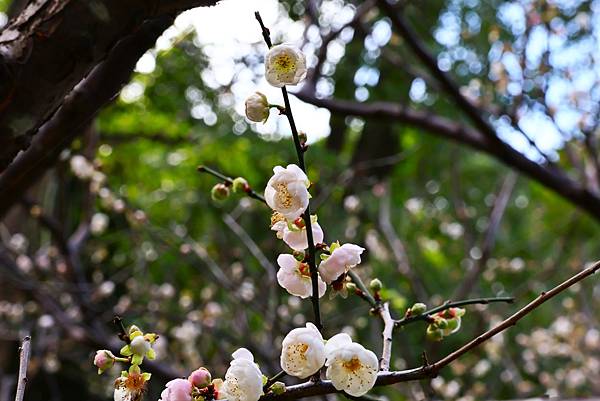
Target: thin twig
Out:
[496,215]
[24,353]
[399,250]
[311,253]
[249,191]
[447,305]
[273,379]
[365,293]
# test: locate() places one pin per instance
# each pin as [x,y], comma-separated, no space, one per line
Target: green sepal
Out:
[137,359]
[135,334]
[151,354]
[146,376]
[135,369]
[126,350]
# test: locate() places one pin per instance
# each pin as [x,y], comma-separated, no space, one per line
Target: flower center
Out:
[135,382]
[283,196]
[304,270]
[284,63]
[299,350]
[352,365]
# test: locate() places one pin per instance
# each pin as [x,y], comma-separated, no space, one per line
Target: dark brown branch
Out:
[447,305]
[51,46]
[555,180]
[80,106]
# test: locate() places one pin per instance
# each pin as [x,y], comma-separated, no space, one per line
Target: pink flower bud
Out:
[200,378]
[104,359]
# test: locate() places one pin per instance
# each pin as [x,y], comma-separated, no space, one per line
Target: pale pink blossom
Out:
[177,390]
[341,260]
[294,276]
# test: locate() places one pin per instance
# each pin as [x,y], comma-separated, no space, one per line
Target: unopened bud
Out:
[434,334]
[375,285]
[257,108]
[240,185]
[418,309]
[104,360]
[219,192]
[351,287]
[278,388]
[441,323]
[302,137]
[200,378]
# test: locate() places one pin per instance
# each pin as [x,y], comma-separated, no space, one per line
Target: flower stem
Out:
[447,305]
[366,293]
[273,379]
[250,192]
[314,274]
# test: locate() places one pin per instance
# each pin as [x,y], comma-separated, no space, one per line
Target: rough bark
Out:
[51,46]
[76,112]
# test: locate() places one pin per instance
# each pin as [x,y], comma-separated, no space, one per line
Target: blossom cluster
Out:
[130,386]
[287,194]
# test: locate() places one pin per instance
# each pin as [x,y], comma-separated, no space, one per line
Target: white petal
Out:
[337,341]
[243,353]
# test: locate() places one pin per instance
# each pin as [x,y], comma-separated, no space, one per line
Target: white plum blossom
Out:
[257,108]
[243,379]
[340,261]
[351,367]
[295,236]
[294,276]
[303,351]
[285,65]
[287,191]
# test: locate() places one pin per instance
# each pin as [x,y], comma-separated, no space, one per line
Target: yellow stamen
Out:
[283,196]
[284,63]
[352,365]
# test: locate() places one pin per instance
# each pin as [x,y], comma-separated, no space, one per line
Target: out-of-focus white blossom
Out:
[99,223]
[81,167]
[303,351]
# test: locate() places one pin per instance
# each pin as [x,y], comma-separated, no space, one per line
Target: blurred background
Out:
[452,198]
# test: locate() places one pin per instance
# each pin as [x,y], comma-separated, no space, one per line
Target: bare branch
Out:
[399,250]
[77,110]
[388,330]
[24,353]
[431,370]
